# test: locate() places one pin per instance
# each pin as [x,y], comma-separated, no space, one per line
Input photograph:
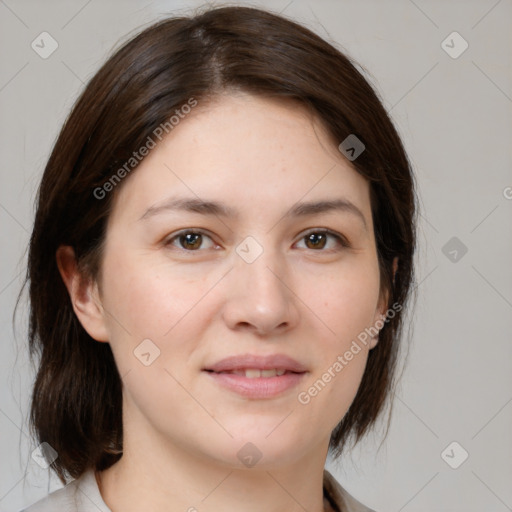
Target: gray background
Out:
[454,115]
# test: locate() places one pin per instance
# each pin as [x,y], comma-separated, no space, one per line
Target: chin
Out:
[253,448]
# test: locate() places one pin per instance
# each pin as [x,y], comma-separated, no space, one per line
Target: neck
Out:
[161,477]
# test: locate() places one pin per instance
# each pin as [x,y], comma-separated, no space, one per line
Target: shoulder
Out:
[62,499]
[341,500]
[80,495]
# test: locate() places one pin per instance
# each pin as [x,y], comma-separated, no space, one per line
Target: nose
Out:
[260,297]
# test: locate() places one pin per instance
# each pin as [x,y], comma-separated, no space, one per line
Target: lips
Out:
[257,377]
[251,363]
[254,373]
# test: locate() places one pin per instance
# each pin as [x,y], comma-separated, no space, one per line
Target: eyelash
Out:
[341,240]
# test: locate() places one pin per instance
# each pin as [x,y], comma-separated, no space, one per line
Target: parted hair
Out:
[76,401]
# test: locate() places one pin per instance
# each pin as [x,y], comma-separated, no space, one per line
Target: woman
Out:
[220,261]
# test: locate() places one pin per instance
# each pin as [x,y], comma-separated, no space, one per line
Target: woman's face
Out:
[215,263]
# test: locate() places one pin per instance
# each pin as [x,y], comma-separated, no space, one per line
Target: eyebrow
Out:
[203,207]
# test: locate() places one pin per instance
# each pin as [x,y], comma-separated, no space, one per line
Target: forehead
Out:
[254,154]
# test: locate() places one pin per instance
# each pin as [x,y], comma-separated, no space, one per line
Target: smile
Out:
[254,373]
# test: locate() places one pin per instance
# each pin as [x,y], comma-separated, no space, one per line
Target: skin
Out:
[181,432]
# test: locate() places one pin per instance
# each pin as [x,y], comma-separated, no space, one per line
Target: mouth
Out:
[255,373]
[257,377]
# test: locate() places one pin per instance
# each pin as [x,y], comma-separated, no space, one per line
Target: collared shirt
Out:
[83,495]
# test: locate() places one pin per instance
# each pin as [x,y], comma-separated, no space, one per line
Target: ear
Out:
[84,294]
[380,314]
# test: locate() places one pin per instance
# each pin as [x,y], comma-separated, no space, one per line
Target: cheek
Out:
[156,303]
[346,305]
[149,300]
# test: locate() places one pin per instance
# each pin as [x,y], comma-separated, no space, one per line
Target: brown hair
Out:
[77,397]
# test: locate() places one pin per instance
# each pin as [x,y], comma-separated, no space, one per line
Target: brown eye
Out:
[323,240]
[316,240]
[191,241]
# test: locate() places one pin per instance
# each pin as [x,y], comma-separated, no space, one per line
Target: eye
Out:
[321,240]
[317,239]
[189,240]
